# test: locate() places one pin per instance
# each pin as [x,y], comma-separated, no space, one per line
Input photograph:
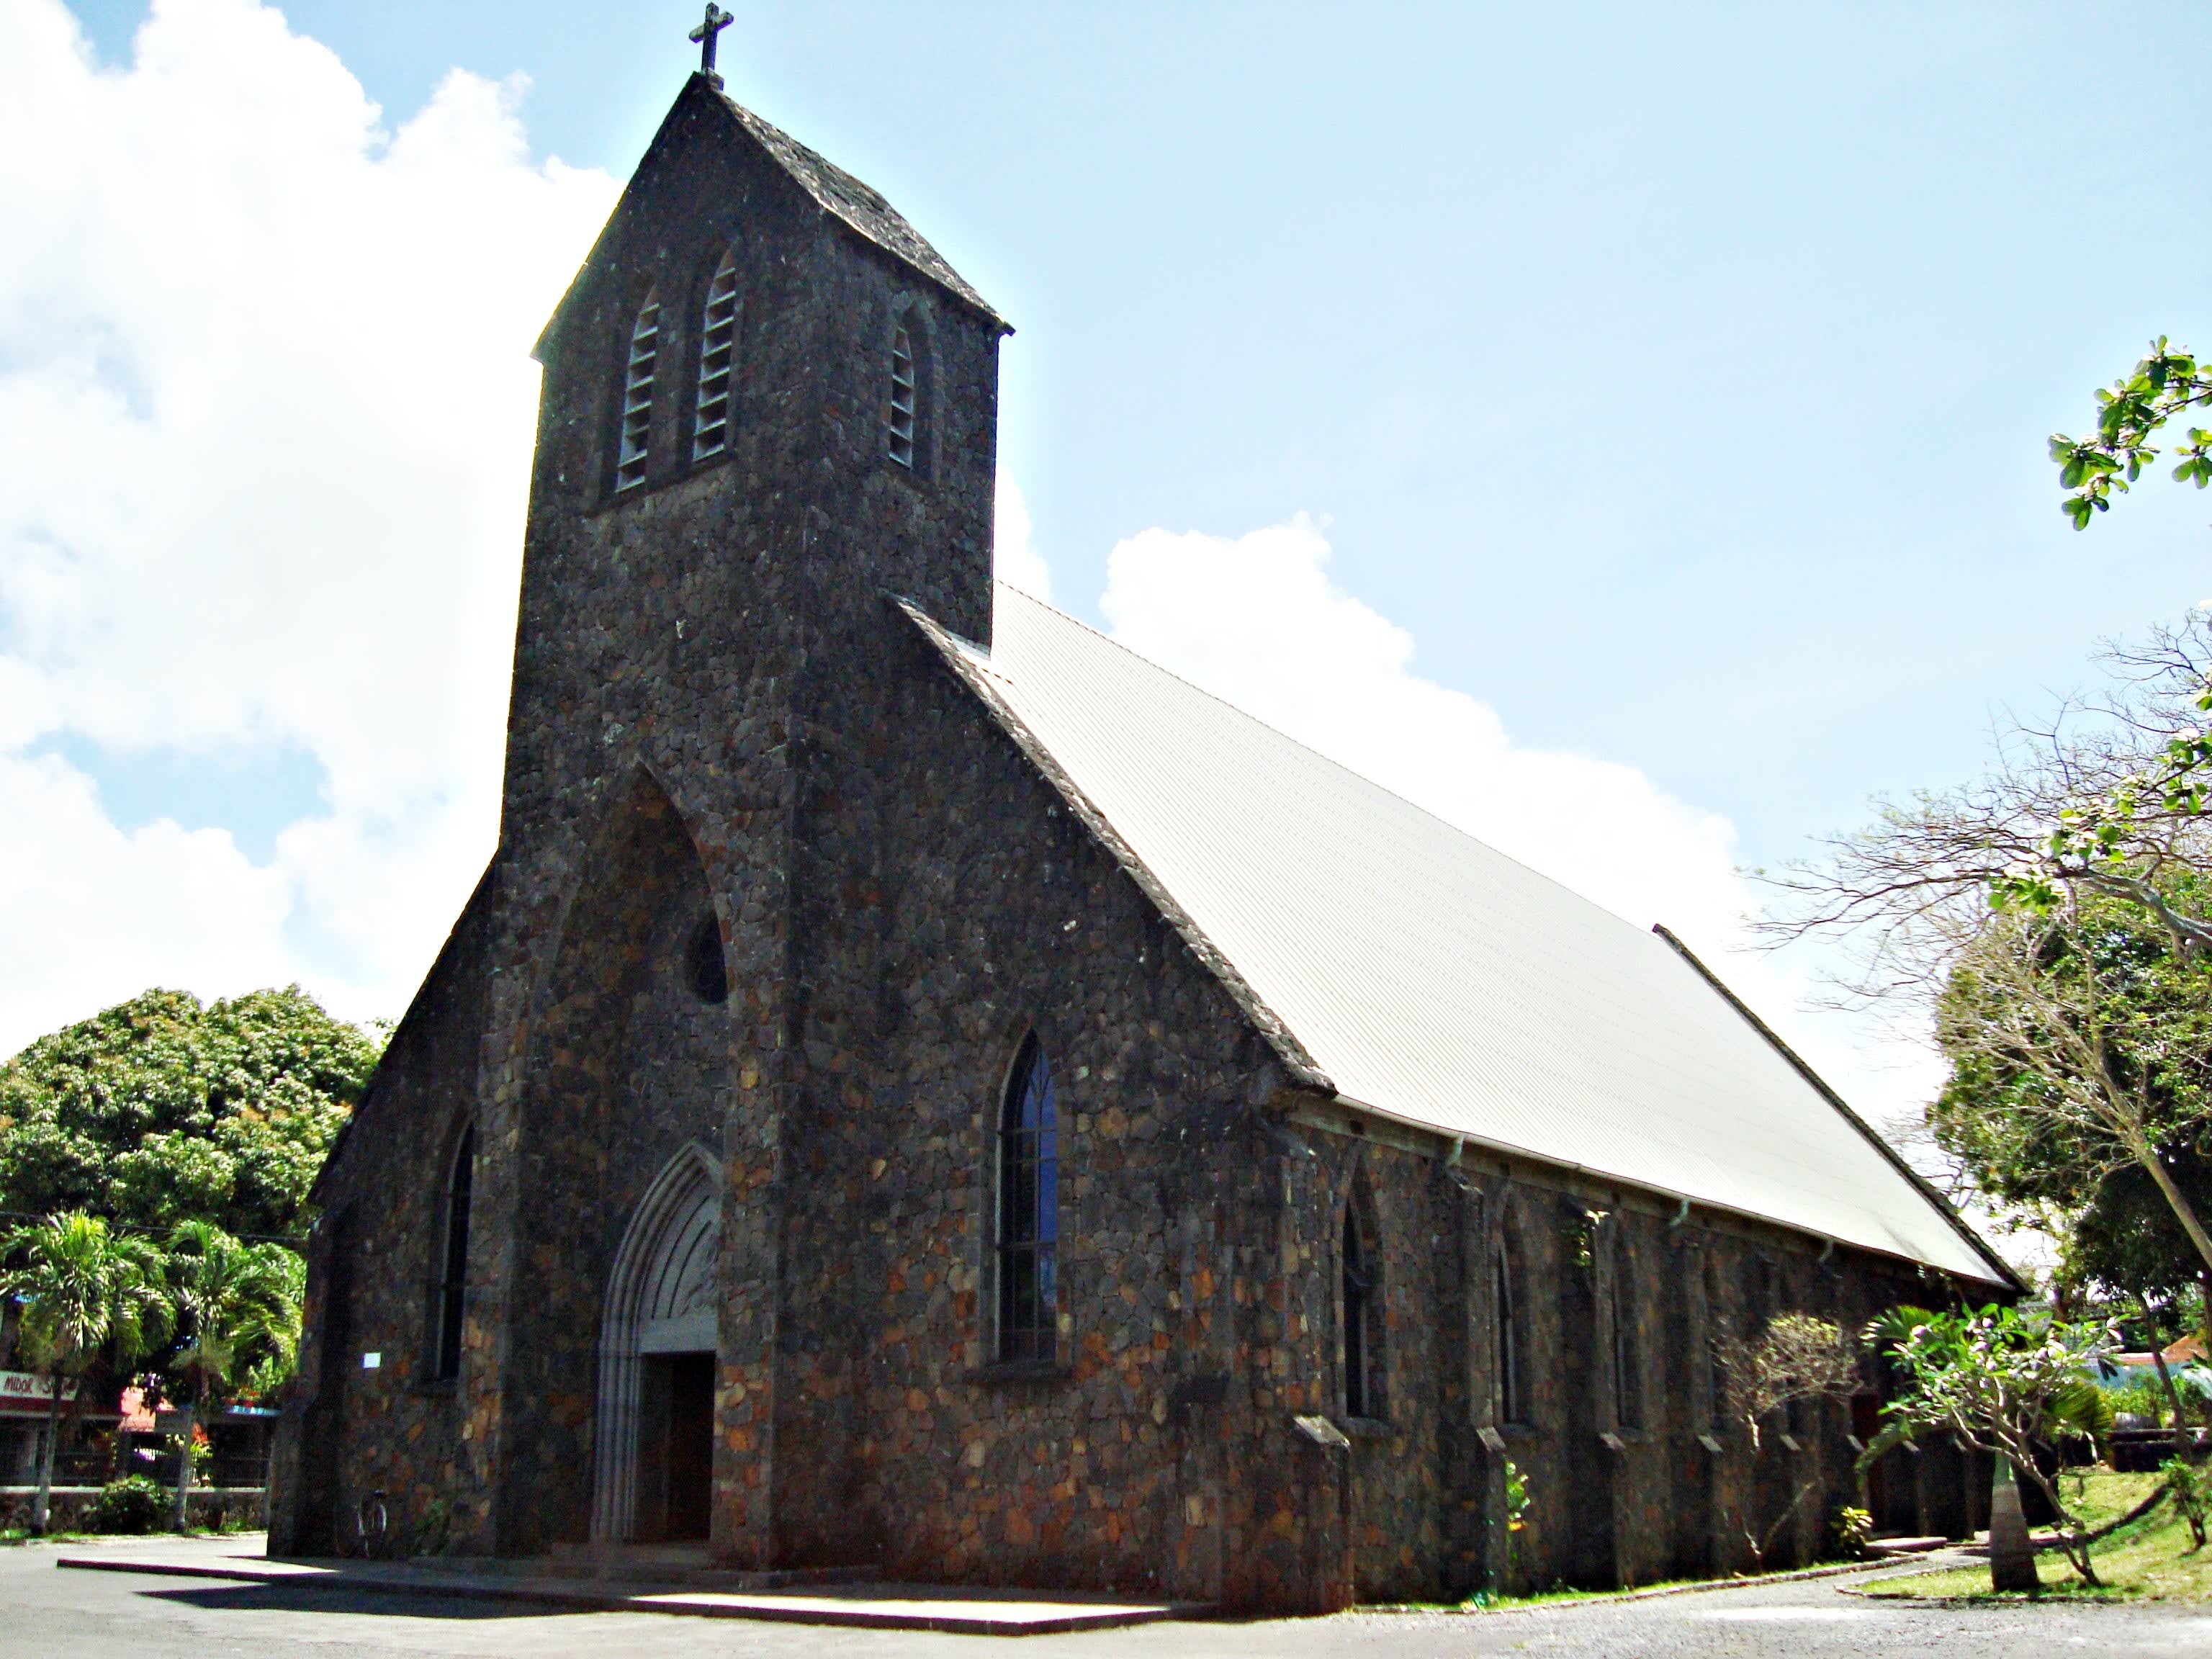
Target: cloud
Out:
[1014,558]
[265,416]
[1257,620]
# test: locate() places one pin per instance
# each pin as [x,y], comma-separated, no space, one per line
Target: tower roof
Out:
[847,198]
[860,209]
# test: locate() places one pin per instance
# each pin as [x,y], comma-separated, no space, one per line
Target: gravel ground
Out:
[49,1615]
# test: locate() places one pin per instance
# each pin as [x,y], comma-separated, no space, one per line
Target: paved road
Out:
[50,1614]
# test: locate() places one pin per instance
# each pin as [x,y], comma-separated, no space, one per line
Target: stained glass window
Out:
[1028,1209]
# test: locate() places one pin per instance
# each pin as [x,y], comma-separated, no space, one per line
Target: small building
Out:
[920,1086]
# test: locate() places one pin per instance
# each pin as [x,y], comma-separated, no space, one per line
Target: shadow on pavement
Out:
[277,1598]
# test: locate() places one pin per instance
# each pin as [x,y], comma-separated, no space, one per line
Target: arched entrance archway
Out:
[658,1338]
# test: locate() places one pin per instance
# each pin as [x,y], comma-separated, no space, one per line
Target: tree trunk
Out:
[2204,1316]
[2183,1211]
[177,1519]
[2012,1558]
[41,1503]
[2173,1398]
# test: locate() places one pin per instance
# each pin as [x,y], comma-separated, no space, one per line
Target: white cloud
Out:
[1015,560]
[1257,620]
[265,417]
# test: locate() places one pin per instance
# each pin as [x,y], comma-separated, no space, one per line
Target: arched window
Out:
[1506,1333]
[637,396]
[906,397]
[717,348]
[1361,1397]
[1028,1209]
[453,1259]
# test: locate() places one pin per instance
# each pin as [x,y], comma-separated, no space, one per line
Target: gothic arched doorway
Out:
[655,1433]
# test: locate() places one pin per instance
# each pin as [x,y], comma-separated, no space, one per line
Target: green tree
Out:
[237,1310]
[2002,1381]
[159,1110]
[2079,1044]
[85,1294]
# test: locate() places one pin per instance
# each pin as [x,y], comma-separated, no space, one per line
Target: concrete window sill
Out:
[1015,1372]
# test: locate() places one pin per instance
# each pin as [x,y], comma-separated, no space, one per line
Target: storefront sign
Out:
[21,1391]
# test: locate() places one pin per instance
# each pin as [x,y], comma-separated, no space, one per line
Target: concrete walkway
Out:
[45,1614]
[869,1605]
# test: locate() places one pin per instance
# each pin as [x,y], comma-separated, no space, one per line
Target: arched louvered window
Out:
[718,349]
[906,397]
[1028,1209]
[1360,1394]
[453,1259]
[637,396]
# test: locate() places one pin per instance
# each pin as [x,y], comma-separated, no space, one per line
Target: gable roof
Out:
[838,193]
[1423,976]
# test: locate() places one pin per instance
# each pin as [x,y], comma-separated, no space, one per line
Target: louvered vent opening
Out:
[902,398]
[718,344]
[637,396]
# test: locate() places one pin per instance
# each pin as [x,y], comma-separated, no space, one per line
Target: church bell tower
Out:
[768,414]
[769,404]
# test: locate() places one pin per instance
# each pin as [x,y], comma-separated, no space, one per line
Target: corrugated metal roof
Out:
[1429,977]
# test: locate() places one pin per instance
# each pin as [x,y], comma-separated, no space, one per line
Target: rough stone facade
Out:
[772,884]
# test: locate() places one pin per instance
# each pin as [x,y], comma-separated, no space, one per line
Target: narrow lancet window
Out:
[1627,1403]
[906,399]
[1627,1399]
[1506,1333]
[637,396]
[453,1277]
[1359,1314]
[1029,1211]
[718,345]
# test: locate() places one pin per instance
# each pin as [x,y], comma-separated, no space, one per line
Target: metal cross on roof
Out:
[712,25]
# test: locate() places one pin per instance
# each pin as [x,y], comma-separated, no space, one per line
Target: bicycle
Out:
[372,1523]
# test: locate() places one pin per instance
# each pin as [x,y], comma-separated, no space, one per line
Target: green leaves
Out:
[87,1292]
[159,1110]
[2166,383]
[237,1307]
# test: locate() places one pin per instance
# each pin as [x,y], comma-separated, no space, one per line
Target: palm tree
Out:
[238,1308]
[85,1291]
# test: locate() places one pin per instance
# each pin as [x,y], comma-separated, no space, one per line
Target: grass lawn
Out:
[2104,1497]
[2152,1561]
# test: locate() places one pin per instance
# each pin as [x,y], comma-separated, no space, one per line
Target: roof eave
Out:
[1503,1149]
[1927,1189]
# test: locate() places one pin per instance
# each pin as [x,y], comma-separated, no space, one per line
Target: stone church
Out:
[920,1088]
